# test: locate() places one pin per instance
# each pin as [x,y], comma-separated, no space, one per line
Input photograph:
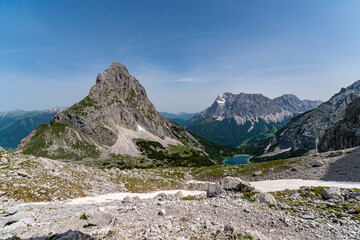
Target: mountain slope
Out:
[15,125]
[116,124]
[306,130]
[345,133]
[243,119]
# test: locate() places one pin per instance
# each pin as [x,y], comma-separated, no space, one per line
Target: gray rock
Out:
[331,193]
[266,198]
[208,224]
[161,197]
[257,173]
[72,235]
[100,218]
[229,183]
[22,174]
[162,212]
[128,200]
[178,195]
[307,215]
[318,163]
[229,228]
[235,184]
[245,187]
[214,191]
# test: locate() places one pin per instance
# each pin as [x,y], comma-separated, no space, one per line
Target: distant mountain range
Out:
[241,120]
[322,127]
[180,118]
[15,125]
[182,115]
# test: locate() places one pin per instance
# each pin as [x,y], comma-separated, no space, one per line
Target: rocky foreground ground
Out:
[36,193]
[230,209]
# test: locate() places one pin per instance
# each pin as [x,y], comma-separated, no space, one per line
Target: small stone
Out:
[257,173]
[161,197]
[127,200]
[162,212]
[312,224]
[208,224]
[318,163]
[22,174]
[228,228]
[307,215]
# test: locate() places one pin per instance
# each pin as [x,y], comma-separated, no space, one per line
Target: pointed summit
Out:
[116,101]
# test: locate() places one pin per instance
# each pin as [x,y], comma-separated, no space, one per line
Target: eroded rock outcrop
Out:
[306,130]
[345,133]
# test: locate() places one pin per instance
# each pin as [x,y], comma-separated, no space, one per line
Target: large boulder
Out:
[235,184]
[214,191]
[72,235]
[229,183]
[266,198]
[332,193]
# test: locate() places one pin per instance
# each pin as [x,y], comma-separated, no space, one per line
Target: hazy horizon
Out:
[184,53]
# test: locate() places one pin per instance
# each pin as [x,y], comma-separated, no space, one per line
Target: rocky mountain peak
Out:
[245,107]
[110,121]
[116,101]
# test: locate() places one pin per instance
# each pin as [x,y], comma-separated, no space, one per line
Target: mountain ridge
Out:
[306,130]
[243,119]
[17,124]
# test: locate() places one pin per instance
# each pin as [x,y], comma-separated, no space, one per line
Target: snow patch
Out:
[219,118]
[293,184]
[252,126]
[121,195]
[140,128]
[221,100]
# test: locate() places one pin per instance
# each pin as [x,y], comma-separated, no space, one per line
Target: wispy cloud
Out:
[188,80]
[13,51]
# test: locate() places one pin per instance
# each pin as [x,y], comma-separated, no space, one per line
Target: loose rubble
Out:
[232,214]
[37,201]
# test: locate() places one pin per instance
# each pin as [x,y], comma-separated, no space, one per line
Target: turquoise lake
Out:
[241,159]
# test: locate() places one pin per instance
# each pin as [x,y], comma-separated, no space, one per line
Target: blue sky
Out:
[184,53]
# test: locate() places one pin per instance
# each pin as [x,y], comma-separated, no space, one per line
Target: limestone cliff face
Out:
[346,132]
[109,122]
[306,130]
